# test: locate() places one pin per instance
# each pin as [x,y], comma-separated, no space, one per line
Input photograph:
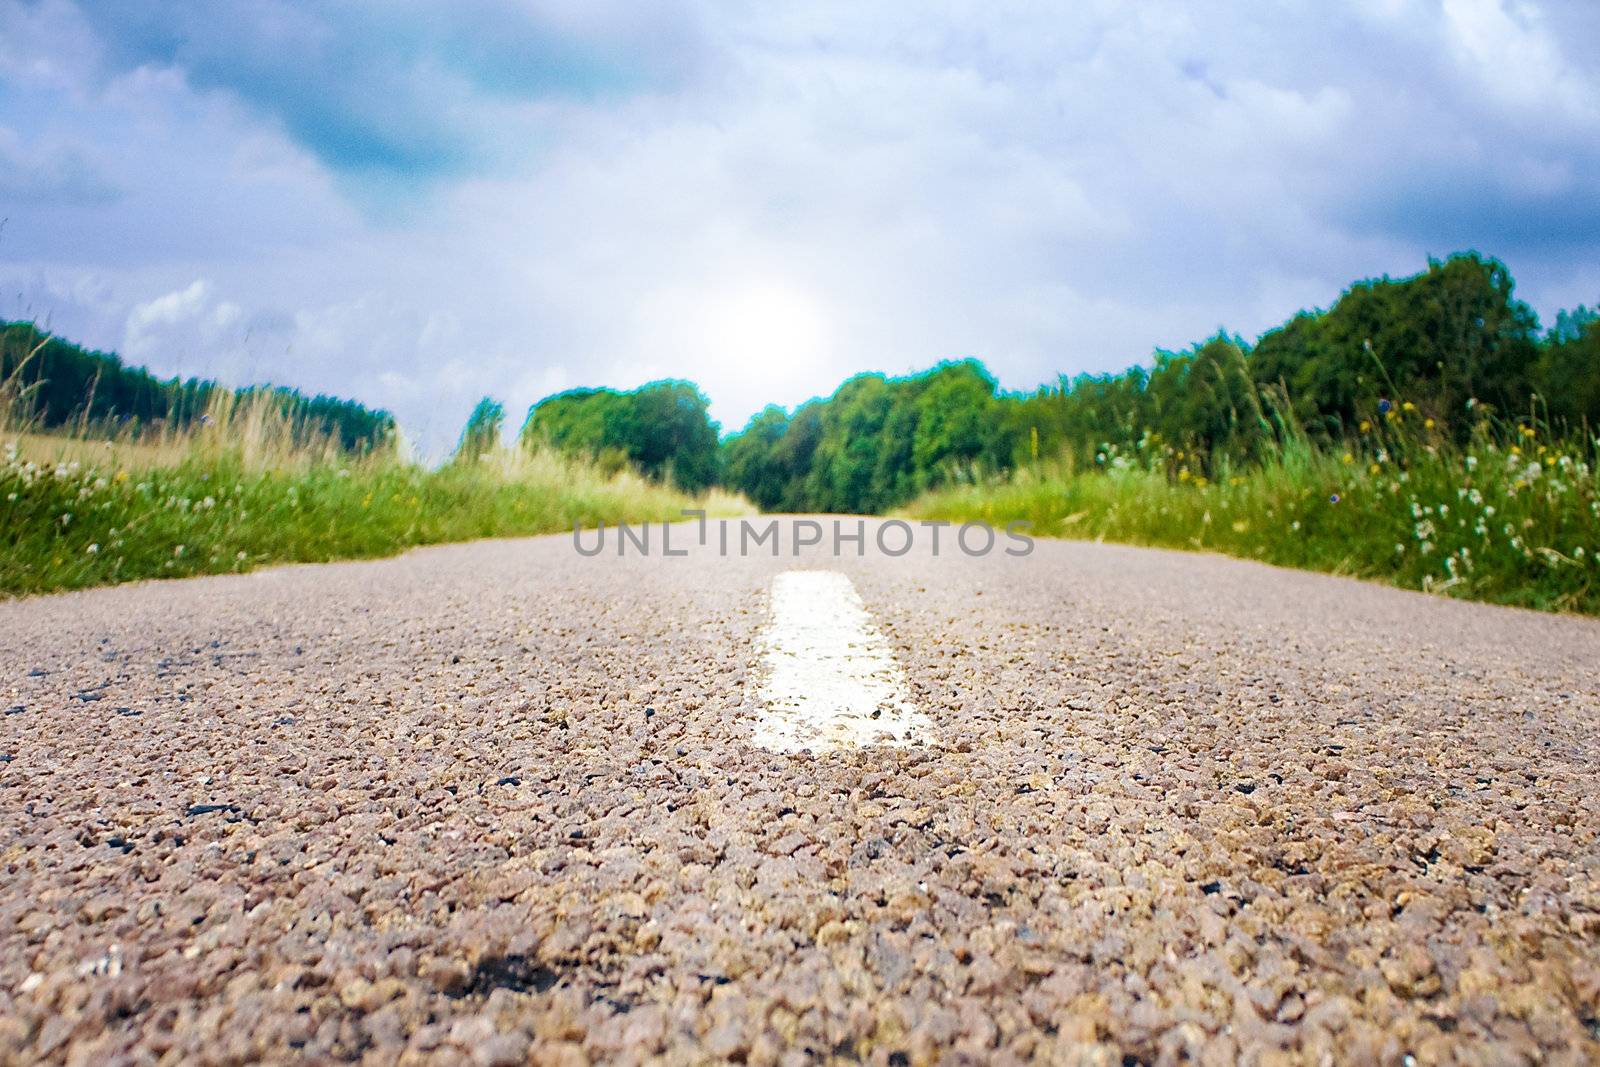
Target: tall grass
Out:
[1513,517]
[244,487]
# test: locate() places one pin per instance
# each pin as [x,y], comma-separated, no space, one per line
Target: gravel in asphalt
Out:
[497,803]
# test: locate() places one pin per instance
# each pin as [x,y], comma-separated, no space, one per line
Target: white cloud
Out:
[185,312]
[1507,46]
[813,191]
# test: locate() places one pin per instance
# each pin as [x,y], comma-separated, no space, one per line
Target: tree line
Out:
[1452,343]
[51,383]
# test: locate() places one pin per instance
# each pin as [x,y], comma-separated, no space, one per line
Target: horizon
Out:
[516,419]
[415,209]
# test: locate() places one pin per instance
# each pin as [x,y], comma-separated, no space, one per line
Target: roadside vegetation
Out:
[1453,341]
[1512,516]
[249,481]
[53,386]
[1422,430]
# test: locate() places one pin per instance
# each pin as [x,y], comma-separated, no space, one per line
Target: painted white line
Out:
[828,677]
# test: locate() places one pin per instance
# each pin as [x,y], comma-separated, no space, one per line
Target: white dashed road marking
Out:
[828,677]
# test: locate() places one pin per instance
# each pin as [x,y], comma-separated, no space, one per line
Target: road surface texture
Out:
[498,803]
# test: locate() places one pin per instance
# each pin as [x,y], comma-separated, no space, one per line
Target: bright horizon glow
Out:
[760,337]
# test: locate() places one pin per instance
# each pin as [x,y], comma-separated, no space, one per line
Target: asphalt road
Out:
[500,803]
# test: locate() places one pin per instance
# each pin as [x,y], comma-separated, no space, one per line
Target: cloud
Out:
[409,88]
[418,205]
[1519,62]
[57,174]
[165,331]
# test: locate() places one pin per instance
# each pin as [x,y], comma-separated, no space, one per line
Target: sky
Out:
[416,204]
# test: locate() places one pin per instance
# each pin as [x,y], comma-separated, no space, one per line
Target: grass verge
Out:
[236,495]
[1513,518]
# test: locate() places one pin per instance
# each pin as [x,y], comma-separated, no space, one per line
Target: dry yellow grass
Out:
[253,431]
[246,486]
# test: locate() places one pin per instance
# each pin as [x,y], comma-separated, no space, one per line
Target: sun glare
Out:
[781,325]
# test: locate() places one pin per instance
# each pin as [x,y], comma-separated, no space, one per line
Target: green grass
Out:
[1514,518]
[70,523]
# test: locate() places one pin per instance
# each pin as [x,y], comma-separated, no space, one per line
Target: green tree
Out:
[875,443]
[670,434]
[752,461]
[1568,372]
[663,429]
[1206,400]
[481,435]
[843,473]
[958,431]
[1452,333]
